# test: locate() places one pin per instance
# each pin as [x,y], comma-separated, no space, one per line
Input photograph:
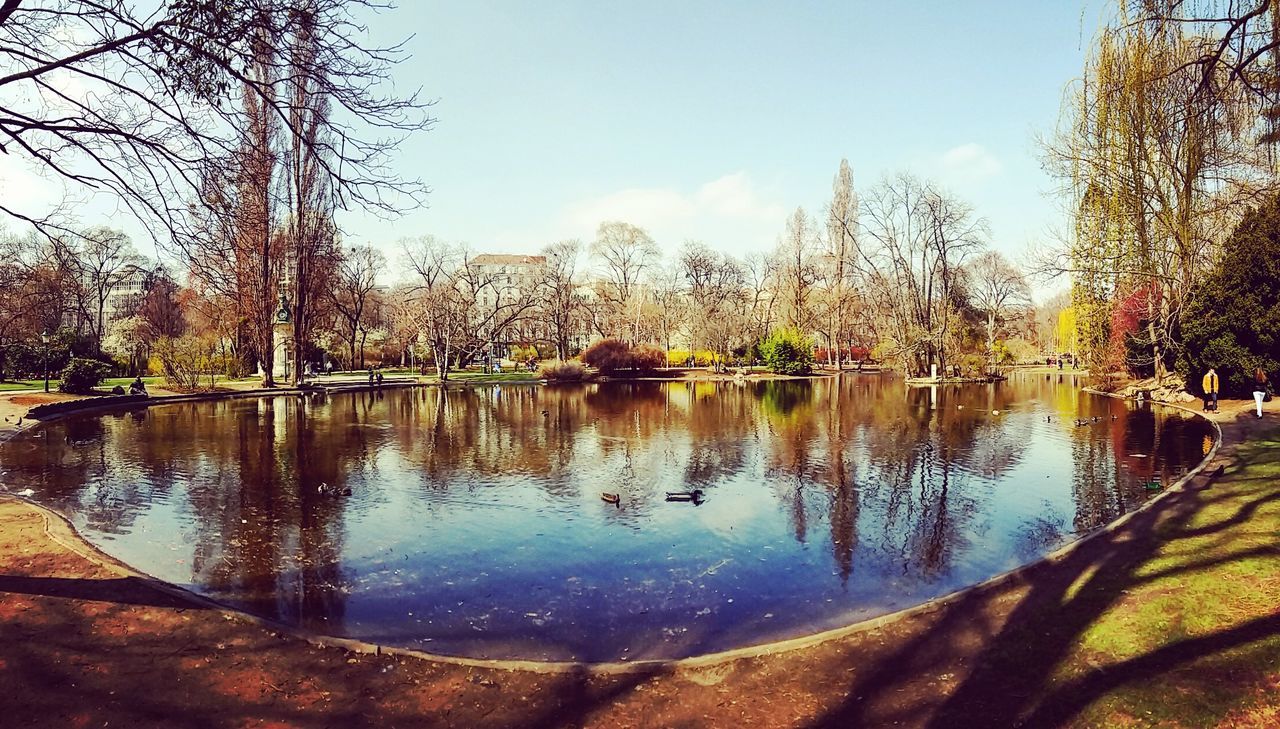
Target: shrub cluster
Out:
[559,371]
[82,375]
[615,355]
[186,360]
[647,357]
[787,352]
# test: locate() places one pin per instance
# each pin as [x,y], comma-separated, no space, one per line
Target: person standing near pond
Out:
[1210,387]
[1259,388]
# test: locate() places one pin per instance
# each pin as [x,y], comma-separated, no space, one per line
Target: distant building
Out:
[126,291]
[503,280]
[509,269]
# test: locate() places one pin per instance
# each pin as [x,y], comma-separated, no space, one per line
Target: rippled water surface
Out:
[470,521]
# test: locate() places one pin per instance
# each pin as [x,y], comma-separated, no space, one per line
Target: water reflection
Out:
[469,521]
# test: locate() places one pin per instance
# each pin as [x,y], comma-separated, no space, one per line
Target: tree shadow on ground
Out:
[123,590]
[63,667]
[1005,664]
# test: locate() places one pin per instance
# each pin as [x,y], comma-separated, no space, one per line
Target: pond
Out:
[470,521]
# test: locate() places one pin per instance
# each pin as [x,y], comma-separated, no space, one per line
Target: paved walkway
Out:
[1169,621]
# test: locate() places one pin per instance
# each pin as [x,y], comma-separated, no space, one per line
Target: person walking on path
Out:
[1210,387]
[1259,388]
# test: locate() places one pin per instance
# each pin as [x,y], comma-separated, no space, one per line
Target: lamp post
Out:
[44,337]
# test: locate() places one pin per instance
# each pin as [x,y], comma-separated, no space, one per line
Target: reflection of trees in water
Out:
[841,487]
[906,472]
[793,461]
[893,454]
[271,536]
[720,431]
[246,471]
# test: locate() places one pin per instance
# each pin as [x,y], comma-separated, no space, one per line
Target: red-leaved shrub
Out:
[608,355]
[647,357]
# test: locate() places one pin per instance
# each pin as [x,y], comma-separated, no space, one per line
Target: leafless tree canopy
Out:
[352,295]
[143,105]
[916,240]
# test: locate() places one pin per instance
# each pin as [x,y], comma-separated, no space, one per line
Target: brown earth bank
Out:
[85,643]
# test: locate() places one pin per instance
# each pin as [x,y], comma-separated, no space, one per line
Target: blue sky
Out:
[714,120]
[708,120]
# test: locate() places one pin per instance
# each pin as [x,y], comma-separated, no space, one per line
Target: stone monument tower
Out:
[282,337]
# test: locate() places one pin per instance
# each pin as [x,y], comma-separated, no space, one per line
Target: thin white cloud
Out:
[735,196]
[968,164]
[651,207]
[729,211]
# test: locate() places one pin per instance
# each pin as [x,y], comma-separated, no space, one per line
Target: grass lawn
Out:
[1174,625]
[520,376]
[10,385]
[1194,637]
[106,385]
[124,382]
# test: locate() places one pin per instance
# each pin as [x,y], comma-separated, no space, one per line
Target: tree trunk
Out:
[991,339]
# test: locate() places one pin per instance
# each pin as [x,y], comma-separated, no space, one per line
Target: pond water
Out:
[470,521]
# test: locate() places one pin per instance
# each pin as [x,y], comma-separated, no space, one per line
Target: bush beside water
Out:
[788,352]
[82,375]
[559,371]
[614,355]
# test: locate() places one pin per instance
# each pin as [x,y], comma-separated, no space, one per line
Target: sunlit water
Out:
[470,521]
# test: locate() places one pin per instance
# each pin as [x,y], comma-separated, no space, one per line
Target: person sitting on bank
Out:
[1210,386]
[137,387]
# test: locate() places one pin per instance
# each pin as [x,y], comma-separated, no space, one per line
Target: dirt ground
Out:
[83,643]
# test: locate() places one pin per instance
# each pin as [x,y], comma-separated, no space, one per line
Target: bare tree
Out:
[30,292]
[95,263]
[917,238]
[170,74]
[715,287]
[498,302]
[996,287]
[797,272]
[670,310]
[561,304]
[357,277]
[436,303]
[761,276]
[625,253]
[838,292]
[311,230]
[174,148]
